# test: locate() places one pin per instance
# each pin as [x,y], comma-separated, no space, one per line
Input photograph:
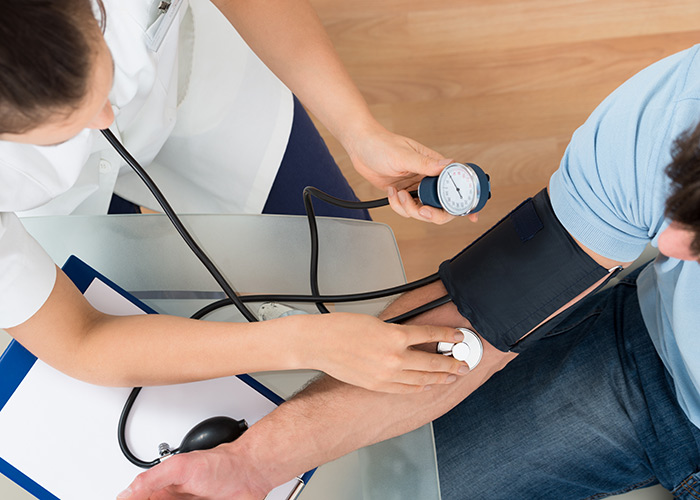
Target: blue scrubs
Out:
[306,162]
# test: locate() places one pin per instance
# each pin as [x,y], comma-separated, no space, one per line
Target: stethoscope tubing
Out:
[239,301]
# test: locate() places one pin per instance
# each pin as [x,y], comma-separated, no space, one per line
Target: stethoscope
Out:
[460,189]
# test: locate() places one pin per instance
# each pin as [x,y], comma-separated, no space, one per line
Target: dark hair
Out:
[683,206]
[46,51]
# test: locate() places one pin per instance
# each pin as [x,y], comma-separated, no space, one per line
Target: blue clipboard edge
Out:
[16,362]
[24,482]
[82,275]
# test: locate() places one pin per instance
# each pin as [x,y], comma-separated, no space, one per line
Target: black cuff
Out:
[518,273]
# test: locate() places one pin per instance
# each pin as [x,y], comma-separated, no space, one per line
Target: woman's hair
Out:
[46,52]
[683,206]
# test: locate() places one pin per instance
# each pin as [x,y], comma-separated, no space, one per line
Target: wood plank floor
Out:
[500,83]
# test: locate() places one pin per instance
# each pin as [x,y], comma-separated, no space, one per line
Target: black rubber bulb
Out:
[211,433]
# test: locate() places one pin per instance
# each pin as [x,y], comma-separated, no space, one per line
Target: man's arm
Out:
[325,421]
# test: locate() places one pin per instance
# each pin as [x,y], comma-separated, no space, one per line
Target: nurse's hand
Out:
[397,164]
[364,351]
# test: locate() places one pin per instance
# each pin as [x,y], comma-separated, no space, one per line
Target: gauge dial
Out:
[458,189]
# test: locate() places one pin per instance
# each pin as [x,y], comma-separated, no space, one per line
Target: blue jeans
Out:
[588,412]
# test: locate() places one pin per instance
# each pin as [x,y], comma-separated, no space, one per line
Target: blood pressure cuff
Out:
[517,274]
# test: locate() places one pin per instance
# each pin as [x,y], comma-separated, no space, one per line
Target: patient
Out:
[605,401]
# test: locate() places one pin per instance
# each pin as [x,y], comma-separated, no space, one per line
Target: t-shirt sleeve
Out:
[610,187]
[27,273]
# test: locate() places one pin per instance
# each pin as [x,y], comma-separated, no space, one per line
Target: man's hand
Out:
[218,474]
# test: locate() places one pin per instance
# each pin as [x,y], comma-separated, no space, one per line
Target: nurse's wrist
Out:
[294,344]
[347,119]
[358,132]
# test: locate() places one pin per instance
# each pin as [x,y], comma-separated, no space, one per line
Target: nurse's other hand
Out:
[407,206]
[388,160]
[364,351]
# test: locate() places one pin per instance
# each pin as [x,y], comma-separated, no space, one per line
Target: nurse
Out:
[219,133]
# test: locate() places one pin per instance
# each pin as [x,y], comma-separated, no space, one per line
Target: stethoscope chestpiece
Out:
[468,350]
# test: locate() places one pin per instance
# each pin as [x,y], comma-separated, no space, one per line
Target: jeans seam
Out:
[687,487]
[570,326]
[629,280]
[626,489]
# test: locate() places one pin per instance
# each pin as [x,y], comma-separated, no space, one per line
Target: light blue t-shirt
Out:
[609,193]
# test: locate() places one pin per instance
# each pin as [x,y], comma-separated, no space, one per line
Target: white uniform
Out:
[192,103]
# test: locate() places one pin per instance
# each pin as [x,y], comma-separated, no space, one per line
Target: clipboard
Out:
[58,436]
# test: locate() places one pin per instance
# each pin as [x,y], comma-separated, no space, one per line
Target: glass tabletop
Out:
[257,254]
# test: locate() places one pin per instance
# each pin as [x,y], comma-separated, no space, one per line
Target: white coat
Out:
[192,103]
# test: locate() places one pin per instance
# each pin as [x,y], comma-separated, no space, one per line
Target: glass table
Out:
[258,254]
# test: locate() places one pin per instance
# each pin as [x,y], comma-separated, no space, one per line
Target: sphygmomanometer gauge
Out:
[460,189]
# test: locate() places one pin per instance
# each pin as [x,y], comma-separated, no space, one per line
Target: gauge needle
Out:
[458,190]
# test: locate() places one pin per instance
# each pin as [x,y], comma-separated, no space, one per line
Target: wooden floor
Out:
[500,83]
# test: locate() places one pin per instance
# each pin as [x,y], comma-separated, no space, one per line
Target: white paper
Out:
[62,433]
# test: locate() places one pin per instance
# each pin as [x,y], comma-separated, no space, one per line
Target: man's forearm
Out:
[330,419]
